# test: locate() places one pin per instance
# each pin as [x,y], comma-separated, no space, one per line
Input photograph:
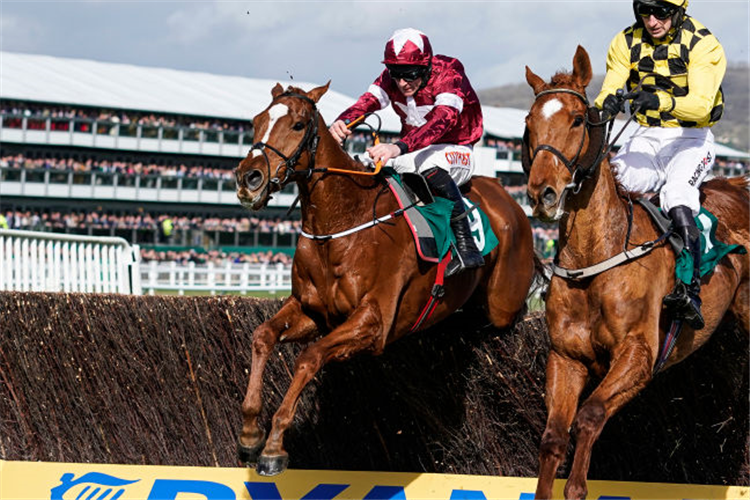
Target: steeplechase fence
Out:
[95,378]
[33,261]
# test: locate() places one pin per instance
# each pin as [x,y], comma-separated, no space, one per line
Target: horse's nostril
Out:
[549,196]
[253,180]
[530,199]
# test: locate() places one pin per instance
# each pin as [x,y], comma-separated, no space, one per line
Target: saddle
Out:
[712,250]
[429,217]
[413,193]
[662,223]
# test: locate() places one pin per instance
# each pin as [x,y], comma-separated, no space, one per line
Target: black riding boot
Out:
[684,301]
[441,184]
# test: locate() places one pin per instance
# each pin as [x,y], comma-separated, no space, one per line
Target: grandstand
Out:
[147,154]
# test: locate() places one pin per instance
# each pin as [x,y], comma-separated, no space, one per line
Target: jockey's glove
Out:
[643,100]
[611,106]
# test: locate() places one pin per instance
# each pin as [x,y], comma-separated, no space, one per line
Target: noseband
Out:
[593,155]
[308,143]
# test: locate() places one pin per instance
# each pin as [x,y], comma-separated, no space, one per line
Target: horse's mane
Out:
[294,90]
[562,79]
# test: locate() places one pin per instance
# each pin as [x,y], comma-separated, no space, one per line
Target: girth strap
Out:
[669,342]
[438,290]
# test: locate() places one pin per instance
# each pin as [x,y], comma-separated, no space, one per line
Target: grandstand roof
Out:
[48,79]
[82,82]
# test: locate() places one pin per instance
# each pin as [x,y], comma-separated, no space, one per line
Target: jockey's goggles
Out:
[660,12]
[407,73]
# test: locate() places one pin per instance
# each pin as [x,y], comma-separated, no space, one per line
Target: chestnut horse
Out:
[367,288]
[610,325]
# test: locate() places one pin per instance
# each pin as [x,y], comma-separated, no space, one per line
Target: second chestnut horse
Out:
[360,291]
[610,325]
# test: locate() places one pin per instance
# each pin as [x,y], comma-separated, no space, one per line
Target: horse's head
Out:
[559,128]
[286,135]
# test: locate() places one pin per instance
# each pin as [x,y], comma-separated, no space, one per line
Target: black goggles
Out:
[660,12]
[406,73]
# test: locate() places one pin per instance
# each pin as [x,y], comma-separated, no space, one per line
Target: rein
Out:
[309,143]
[376,141]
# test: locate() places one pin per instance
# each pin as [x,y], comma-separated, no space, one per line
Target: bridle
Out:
[580,168]
[309,144]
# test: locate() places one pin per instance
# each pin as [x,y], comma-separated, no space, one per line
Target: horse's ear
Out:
[277,90]
[536,82]
[316,93]
[582,67]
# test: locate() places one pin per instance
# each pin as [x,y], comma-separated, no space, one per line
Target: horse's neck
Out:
[594,227]
[332,202]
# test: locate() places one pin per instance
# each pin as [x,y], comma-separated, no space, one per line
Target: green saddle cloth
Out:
[712,249]
[438,216]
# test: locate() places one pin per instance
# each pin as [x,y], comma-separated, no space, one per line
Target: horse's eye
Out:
[578,120]
[298,126]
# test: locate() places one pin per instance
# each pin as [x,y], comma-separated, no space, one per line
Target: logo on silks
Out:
[90,485]
[475,223]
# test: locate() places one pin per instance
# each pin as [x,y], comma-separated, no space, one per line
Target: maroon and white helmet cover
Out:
[408,46]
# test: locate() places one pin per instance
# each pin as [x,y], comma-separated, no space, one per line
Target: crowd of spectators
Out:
[79,221]
[63,114]
[503,144]
[545,240]
[216,257]
[730,168]
[115,167]
[57,221]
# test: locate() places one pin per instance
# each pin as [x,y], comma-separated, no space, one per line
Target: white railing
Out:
[235,278]
[51,262]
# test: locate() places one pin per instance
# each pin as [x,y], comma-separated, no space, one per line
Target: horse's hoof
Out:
[272,465]
[248,455]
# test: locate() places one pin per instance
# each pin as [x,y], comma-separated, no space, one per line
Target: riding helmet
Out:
[680,7]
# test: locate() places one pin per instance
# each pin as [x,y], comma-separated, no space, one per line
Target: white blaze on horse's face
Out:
[274,113]
[550,108]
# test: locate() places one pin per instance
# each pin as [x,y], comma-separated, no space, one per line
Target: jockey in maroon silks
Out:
[441,120]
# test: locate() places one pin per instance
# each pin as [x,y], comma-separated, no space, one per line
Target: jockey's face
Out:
[408,78]
[656,27]
[408,88]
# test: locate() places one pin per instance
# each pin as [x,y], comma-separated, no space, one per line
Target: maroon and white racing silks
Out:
[445,111]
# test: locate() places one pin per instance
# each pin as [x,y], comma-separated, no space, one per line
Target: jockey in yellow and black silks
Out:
[673,67]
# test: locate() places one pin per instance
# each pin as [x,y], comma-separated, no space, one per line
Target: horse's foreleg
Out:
[361,331]
[629,372]
[291,322]
[565,381]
